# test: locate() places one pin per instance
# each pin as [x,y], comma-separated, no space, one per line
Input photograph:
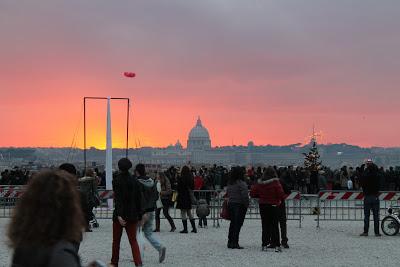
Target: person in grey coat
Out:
[238,202]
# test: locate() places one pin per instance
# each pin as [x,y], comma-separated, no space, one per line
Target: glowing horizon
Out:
[259,71]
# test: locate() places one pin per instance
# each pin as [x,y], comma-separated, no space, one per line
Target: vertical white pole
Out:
[109,154]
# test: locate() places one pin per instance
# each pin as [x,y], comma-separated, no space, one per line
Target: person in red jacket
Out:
[270,195]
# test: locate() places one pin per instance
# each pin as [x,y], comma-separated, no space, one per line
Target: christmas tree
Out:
[311,160]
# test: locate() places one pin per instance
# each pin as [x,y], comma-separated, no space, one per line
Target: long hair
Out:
[236,174]
[48,211]
[269,173]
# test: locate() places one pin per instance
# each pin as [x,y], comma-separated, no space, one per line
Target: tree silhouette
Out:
[311,159]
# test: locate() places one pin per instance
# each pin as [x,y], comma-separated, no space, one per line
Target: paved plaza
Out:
[334,244]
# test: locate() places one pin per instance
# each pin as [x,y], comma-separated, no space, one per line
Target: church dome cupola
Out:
[199,138]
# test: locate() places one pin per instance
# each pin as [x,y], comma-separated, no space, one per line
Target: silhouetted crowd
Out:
[296,178]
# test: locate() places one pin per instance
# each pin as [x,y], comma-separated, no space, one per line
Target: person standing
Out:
[184,199]
[165,197]
[282,217]
[270,193]
[370,186]
[127,213]
[238,202]
[149,198]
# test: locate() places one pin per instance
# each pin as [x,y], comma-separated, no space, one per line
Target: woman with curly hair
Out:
[47,222]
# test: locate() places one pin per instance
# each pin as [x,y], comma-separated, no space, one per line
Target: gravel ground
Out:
[334,244]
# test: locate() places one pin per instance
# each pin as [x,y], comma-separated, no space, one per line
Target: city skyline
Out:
[259,71]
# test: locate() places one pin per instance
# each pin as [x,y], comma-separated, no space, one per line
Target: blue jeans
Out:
[148,231]
[371,203]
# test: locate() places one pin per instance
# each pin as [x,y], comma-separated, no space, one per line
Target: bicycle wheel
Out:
[390,226]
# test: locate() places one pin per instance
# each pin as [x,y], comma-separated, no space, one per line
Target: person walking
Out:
[165,198]
[238,202]
[370,186]
[128,211]
[270,193]
[149,198]
[185,198]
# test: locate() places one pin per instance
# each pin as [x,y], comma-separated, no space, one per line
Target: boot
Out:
[157,226]
[193,223]
[184,231]
[171,222]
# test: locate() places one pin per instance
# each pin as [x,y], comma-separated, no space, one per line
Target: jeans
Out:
[148,231]
[270,228]
[237,213]
[371,202]
[130,229]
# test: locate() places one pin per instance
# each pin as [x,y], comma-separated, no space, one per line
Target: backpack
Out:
[202,209]
[149,197]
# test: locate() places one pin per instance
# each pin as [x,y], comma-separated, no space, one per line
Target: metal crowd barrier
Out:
[214,198]
[348,205]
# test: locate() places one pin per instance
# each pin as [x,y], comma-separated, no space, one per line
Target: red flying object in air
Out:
[129,74]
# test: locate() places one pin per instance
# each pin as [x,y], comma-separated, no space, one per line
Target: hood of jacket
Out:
[270,181]
[146,181]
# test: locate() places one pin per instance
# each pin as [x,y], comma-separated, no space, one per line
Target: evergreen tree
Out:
[311,159]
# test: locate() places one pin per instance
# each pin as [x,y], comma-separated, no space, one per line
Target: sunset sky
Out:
[256,70]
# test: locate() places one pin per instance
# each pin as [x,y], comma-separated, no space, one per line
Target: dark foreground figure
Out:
[48,223]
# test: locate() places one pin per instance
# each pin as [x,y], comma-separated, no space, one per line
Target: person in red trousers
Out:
[127,213]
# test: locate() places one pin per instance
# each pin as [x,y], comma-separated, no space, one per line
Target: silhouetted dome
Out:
[199,138]
[199,131]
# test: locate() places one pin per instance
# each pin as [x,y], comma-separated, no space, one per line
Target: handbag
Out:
[141,242]
[174,196]
[225,212]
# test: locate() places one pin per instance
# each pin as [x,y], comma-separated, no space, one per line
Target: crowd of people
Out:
[216,177]
[53,212]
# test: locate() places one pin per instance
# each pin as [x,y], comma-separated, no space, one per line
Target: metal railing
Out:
[348,205]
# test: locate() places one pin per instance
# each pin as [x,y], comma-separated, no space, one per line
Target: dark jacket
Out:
[185,184]
[370,181]
[62,254]
[238,193]
[127,197]
[268,192]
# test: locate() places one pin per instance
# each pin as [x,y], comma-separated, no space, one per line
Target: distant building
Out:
[199,138]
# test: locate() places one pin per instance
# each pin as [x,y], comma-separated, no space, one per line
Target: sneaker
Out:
[378,234]
[285,245]
[278,249]
[162,254]
[364,234]
[270,246]
[183,232]
[264,248]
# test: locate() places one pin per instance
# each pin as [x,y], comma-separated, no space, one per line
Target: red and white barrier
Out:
[346,195]
[10,192]
[294,195]
[106,194]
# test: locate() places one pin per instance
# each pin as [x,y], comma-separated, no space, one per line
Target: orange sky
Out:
[264,71]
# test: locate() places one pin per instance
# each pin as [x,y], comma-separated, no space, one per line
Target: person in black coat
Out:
[184,199]
[370,179]
[128,212]
[282,216]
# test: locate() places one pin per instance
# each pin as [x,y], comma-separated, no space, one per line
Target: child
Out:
[202,211]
